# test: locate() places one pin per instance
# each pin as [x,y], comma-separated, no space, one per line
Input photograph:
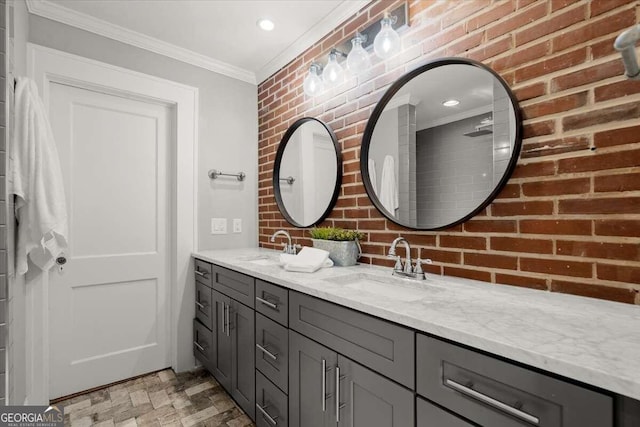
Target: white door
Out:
[109,305]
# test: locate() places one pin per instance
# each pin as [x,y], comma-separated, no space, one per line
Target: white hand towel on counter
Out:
[286,258]
[388,187]
[308,260]
[373,176]
[35,178]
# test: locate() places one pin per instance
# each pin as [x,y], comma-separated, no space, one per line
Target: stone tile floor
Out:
[159,399]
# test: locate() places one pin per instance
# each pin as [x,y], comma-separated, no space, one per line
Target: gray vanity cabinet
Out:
[492,392]
[221,342]
[369,399]
[319,378]
[311,383]
[242,354]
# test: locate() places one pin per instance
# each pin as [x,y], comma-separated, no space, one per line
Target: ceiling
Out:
[220,35]
[470,85]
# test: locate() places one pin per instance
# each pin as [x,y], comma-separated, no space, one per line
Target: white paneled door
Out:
[108,307]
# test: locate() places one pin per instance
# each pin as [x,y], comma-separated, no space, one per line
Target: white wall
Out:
[17,377]
[228,125]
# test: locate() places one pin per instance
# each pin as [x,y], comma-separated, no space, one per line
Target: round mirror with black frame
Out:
[307,173]
[441,143]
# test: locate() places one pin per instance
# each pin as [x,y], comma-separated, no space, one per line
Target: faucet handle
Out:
[419,262]
[398,266]
[285,248]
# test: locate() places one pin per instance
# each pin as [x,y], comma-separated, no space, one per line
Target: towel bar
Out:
[626,44]
[213,174]
[290,180]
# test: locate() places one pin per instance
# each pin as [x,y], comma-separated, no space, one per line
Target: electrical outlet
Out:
[237,225]
[218,225]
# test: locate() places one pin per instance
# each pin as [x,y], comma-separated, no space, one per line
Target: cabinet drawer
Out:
[202,272]
[202,344]
[203,305]
[271,404]
[272,351]
[272,301]
[492,392]
[375,343]
[429,415]
[235,285]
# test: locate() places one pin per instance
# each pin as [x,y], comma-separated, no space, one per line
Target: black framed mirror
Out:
[307,172]
[441,143]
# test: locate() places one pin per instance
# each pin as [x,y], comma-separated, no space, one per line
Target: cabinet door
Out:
[369,399]
[429,415]
[272,351]
[311,383]
[243,364]
[221,348]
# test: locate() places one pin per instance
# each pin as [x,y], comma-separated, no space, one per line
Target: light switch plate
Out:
[237,225]
[218,225]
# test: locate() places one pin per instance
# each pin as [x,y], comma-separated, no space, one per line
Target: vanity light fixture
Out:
[387,42]
[265,24]
[333,74]
[451,103]
[358,60]
[313,83]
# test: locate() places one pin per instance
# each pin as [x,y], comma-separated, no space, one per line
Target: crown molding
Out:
[338,15]
[55,12]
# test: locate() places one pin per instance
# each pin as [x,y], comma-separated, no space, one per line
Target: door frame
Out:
[47,66]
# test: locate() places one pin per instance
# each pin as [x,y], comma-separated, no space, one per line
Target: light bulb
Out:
[358,60]
[387,42]
[313,83]
[333,73]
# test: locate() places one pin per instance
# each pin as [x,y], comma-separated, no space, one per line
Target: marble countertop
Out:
[593,341]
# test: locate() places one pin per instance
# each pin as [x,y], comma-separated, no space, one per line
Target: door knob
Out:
[61,260]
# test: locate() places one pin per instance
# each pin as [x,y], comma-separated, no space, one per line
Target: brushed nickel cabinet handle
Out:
[199,304]
[201,273]
[324,385]
[339,405]
[201,348]
[267,352]
[267,303]
[492,402]
[266,415]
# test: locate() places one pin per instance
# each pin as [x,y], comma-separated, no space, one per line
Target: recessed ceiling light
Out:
[451,103]
[266,24]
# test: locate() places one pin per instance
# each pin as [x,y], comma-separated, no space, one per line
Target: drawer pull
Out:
[493,402]
[267,303]
[226,318]
[267,352]
[338,404]
[266,415]
[201,273]
[200,305]
[201,348]
[324,385]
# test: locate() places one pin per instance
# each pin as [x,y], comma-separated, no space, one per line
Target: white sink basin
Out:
[398,289]
[260,259]
[264,261]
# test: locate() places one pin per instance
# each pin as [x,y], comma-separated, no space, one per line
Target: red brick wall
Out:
[569,218]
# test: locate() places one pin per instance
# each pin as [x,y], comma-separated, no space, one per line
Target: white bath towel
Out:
[36,179]
[307,260]
[373,177]
[286,258]
[388,187]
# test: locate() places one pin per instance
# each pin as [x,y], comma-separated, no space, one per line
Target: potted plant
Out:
[343,245]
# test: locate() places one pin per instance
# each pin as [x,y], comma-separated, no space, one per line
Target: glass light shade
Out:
[313,83]
[333,74]
[358,60]
[387,41]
